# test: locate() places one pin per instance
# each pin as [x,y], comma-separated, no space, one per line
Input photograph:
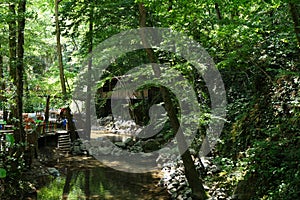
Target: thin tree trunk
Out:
[2,87]
[59,52]
[90,63]
[191,173]
[71,125]
[20,69]
[12,42]
[1,76]
[294,10]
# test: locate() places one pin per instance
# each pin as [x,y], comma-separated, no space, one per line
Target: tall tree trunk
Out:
[90,63]
[71,125]
[16,26]
[191,173]
[59,53]
[2,87]
[20,69]
[294,10]
[12,42]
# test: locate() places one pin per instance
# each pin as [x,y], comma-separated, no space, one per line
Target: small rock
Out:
[53,171]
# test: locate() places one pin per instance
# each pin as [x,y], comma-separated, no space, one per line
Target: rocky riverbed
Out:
[123,136]
[173,178]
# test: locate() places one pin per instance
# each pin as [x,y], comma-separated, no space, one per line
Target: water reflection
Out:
[86,178]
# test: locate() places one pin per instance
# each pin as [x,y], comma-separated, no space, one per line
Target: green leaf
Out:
[10,138]
[2,173]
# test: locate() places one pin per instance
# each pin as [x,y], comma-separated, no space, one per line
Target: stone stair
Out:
[64,143]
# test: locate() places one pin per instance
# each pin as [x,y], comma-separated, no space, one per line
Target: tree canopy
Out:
[254,44]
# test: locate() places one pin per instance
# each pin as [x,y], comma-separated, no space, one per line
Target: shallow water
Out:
[86,178]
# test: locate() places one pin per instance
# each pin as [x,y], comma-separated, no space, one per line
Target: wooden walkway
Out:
[42,135]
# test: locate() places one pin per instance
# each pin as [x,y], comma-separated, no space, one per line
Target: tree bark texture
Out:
[20,69]
[191,173]
[59,52]
[12,40]
[2,87]
[90,63]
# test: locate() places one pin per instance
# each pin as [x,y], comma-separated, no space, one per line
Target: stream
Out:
[83,177]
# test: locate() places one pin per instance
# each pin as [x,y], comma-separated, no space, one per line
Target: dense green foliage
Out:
[253,43]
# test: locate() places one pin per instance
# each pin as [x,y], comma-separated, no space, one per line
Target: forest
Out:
[144,99]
